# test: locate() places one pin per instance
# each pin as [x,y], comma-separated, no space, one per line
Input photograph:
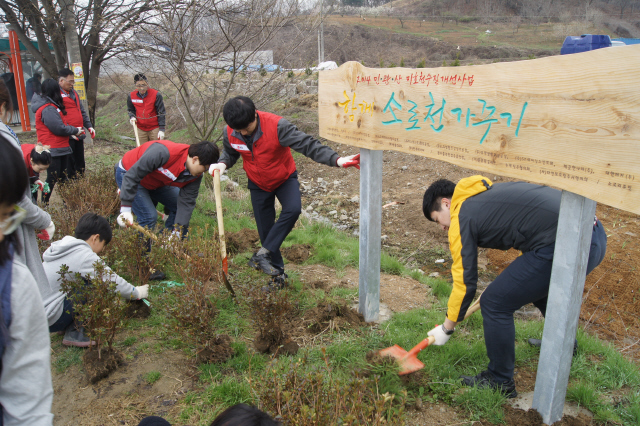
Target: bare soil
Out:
[215,352]
[99,364]
[240,241]
[137,309]
[297,253]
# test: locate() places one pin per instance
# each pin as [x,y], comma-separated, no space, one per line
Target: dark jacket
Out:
[506,215]
[53,122]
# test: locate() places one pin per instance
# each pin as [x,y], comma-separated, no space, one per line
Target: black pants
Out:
[272,233]
[77,158]
[58,172]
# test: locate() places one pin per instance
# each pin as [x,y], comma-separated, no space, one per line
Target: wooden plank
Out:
[569,121]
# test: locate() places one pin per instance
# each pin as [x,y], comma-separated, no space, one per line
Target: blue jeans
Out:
[145,202]
[273,233]
[525,280]
[66,319]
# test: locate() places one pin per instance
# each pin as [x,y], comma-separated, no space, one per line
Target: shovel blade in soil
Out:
[408,363]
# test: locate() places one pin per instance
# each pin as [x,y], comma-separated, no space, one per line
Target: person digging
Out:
[477,213]
[162,172]
[264,141]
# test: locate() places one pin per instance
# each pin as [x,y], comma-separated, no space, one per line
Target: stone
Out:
[355,199]
[344,217]
[309,208]
[404,167]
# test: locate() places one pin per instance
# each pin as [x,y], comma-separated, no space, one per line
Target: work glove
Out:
[133,121]
[47,233]
[40,185]
[440,336]
[161,135]
[143,291]
[92,132]
[125,216]
[352,160]
[217,166]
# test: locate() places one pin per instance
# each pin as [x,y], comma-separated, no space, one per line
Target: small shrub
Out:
[392,65]
[308,70]
[290,74]
[222,71]
[422,63]
[455,63]
[152,376]
[381,63]
[444,63]
[402,62]
[262,71]
[532,56]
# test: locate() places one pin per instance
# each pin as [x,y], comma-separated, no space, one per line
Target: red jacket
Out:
[26,154]
[45,136]
[270,164]
[169,172]
[146,114]
[74,114]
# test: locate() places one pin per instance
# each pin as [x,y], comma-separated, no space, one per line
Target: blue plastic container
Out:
[584,43]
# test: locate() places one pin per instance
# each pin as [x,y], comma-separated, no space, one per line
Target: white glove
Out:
[133,121]
[352,160]
[143,291]
[80,131]
[217,166]
[47,233]
[125,216]
[440,336]
[161,135]
[92,132]
[40,184]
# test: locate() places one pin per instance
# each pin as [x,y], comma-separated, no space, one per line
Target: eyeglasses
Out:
[142,86]
[11,223]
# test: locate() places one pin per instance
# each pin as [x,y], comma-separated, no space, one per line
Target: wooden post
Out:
[370,228]
[573,241]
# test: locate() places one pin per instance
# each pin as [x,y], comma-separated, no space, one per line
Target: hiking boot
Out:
[276,283]
[157,275]
[76,337]
[487,380]
[262,262]
[538,343]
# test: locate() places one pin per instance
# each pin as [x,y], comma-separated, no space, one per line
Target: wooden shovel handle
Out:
[223,246]
[474,307]
[135,132]
[145,231]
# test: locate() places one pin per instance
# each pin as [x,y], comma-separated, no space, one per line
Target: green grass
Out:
[66,358]
[152,377]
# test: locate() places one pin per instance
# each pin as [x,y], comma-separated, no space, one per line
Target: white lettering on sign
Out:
[240,147]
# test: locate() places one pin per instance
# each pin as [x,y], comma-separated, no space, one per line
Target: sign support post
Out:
[370,229]
[568,273]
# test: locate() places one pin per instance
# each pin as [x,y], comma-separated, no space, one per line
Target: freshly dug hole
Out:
[216,351]
[335,316]
[137,309]
[98,368]
[241,241]
[297,253]
[275,342]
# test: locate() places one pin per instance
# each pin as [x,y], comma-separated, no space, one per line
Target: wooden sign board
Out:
[569,121]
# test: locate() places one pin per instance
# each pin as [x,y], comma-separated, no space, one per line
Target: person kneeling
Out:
[79,253]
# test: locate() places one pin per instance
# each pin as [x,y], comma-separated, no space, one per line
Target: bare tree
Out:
[101,27]
[204,48]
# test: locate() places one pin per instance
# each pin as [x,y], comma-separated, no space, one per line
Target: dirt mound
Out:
[275,342]
[297,253]
[531,417]
[333,316]
[216,351]
[319,285]
[243,240]
[137,309]
[98,368]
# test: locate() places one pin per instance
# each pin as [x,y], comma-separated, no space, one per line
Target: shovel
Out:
[223,245]
[135,131]
[409,361]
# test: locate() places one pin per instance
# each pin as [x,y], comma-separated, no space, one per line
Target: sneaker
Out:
[76,337]
[487,380]
[262,262]
[276,283]
[157,275]
[538,343]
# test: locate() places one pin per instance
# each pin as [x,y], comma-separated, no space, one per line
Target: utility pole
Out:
[321,34]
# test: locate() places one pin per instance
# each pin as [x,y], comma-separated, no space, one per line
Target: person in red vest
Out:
[37,158]
[53,129]
[264,141]
[77,117]
[146,110]
[162,172]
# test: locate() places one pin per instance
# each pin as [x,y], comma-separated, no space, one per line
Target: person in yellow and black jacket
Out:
[477,213]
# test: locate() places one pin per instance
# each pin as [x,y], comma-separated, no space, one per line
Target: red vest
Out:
[74,114]
[146,114]
[169,172]
[270,164]
[45,136]
[26,154]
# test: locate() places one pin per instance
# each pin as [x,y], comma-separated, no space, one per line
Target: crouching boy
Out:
[79,253]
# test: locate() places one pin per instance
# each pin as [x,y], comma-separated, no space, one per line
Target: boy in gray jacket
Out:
[79,253]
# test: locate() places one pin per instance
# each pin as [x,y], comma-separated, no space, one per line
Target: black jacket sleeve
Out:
[130,108]
[187,201]
[160,111]
[155,156]
[229,155]
[290,136]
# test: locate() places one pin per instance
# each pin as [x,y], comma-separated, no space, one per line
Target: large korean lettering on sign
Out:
[570,121]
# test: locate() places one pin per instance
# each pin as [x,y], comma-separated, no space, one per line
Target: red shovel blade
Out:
[409,362]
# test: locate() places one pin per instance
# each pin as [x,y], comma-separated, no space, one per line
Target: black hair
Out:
[239,112]
[43,158]
[438,190]
[244,415]
[138,77]
[13,185]
[37,75]
[91,224]
[207,152]
[64,73]
[51,89]
[5,97]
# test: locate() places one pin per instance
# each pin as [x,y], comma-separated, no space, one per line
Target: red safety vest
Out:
[146,114]
[74,114]
[270,164]
[169,172]
[45,136]
[26,154]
